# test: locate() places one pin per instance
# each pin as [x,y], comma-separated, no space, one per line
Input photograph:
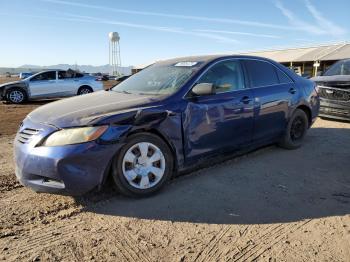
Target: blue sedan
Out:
[171,116]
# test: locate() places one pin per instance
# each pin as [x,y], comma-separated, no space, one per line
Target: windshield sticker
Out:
[189,64]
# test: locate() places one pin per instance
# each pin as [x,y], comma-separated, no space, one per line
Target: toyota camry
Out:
[167,118]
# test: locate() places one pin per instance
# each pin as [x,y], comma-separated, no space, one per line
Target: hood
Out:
[335,78]
[16,83]
[337,81]
[88,109]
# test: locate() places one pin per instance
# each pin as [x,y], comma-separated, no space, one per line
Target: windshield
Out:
[159,79]
[339,68]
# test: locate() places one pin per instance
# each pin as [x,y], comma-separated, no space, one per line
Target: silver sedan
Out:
[49,84]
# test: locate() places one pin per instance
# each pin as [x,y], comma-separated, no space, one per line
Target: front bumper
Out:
[68,170]
[334,109]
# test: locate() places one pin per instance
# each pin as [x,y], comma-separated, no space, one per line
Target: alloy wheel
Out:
[16,96]
[84,91]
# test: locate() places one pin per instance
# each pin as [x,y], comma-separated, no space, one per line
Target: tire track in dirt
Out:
[127,245]
[205,253]
[53,234]
[256,242]
[268,241]
[40,238]
[216,250]
[262,250]
[190,243]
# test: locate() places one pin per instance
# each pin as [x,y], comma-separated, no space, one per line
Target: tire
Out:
[135,173]
[84,90]
[16,95]
[296,130]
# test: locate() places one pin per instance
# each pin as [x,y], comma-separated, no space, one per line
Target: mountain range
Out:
[83,68]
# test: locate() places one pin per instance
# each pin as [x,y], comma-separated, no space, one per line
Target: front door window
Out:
[225,76]
[45,76]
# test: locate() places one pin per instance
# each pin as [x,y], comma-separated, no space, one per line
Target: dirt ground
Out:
[269,205]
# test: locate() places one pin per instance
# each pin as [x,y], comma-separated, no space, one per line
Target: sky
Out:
[49,32]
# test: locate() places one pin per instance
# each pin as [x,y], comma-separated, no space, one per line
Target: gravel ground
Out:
[269,205]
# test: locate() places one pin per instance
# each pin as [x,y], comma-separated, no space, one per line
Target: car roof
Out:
[207,58]
[46,71]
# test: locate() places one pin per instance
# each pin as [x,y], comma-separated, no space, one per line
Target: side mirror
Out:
[203,89]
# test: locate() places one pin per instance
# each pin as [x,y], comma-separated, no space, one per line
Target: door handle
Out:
[292,90]
[246,100]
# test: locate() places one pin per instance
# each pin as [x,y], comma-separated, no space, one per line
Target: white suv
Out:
[49,84]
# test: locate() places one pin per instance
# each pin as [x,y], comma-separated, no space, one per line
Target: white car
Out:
[49,84]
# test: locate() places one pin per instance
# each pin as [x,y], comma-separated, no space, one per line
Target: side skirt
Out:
[222,157]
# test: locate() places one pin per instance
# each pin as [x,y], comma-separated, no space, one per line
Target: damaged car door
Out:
[222,119]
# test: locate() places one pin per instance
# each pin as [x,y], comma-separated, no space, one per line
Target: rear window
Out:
[261,73]
[78,75]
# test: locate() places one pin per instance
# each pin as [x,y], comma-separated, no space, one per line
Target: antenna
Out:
[114,52]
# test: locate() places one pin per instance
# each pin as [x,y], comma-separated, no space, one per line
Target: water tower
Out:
[114,52]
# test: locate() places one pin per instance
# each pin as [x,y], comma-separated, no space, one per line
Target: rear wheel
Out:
[85,90]
[296,130]
[16,95]
[143,165]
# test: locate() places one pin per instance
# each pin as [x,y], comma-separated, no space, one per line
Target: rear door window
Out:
[284,79]
[261,73]
[62,75]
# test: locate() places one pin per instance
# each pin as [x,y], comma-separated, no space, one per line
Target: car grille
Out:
[334,94]
[25,135]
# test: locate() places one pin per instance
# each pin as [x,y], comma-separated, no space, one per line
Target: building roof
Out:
[341,53]
[302,54]
[306,54]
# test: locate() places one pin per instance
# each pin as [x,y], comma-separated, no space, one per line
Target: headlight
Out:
[71,136]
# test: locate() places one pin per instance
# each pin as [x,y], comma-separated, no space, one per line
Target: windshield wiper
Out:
[147,94]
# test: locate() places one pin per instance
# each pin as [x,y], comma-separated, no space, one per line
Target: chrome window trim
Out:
[241,60]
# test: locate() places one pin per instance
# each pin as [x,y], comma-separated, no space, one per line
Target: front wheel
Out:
[296,130]
[143,165]
[16,96]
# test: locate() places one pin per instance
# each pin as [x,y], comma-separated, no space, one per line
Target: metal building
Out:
[308,61]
